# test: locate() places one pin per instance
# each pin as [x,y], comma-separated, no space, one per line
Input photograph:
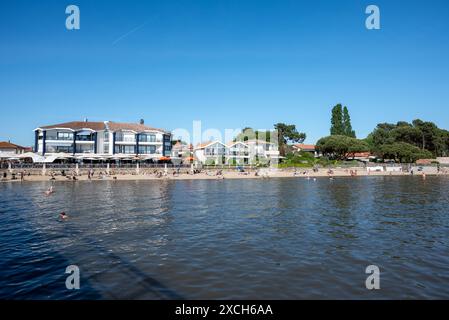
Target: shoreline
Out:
[232,175]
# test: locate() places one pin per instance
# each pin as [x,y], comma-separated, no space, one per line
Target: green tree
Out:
[337,127]
[347,123]
[341,122]
[341,147]
[403,152]
[251,134]
[421,134]
[288,133]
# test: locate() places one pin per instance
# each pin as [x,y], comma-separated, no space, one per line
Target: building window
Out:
[147,138]
[125,137]
[83,148]
[85,136]
[147,149]
[215,150]
[66,136]
[59,149]
[125,149]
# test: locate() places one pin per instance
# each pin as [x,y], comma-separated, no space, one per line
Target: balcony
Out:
[238,154]
[85,138]
[148,141]
[126,140]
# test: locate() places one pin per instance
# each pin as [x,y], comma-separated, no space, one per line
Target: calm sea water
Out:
[230,239]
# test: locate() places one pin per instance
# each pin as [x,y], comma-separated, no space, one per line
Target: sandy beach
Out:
[216,174]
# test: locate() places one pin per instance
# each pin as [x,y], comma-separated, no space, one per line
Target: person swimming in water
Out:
[49,191]
[63,215]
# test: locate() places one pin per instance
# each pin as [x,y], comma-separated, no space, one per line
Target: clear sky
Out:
[228,63]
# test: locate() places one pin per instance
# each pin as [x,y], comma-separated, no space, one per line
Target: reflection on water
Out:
[230,239]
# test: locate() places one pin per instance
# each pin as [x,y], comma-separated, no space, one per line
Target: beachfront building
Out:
[102,140]
[10,151]
[263,151]
[236,152]
[182,151]
[211,153]
[6,147]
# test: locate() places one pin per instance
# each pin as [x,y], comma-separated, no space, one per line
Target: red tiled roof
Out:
[116,126]
[98,126]
[180,145]
[425,161]
[359,154]
[203,145]
[305,146]
[9,145]
[77,125]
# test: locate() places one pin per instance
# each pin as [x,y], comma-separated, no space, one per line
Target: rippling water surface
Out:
[230,239]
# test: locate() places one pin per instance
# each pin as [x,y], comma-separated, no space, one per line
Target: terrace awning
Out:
[7,155]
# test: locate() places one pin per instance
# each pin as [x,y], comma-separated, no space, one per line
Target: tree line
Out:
[402,142]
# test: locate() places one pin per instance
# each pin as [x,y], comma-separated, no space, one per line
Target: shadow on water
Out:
[118,278]
[140,284]
[29,273]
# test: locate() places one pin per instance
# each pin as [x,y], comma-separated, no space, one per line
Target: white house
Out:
[213,152]
[236,152]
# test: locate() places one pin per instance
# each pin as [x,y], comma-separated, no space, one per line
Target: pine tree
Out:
[347,124]
[341,122]
[337,121]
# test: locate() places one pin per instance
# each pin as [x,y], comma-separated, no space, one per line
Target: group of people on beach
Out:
[21,174]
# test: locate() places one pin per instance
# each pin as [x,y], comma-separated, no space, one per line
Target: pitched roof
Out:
[9,145]
[178,144]
[98,126]
[205,144]
[232,143]
[137,127]
[182,145]
[305,146]
[77,125]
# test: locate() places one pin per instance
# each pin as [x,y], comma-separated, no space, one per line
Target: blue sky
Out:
[230,64]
